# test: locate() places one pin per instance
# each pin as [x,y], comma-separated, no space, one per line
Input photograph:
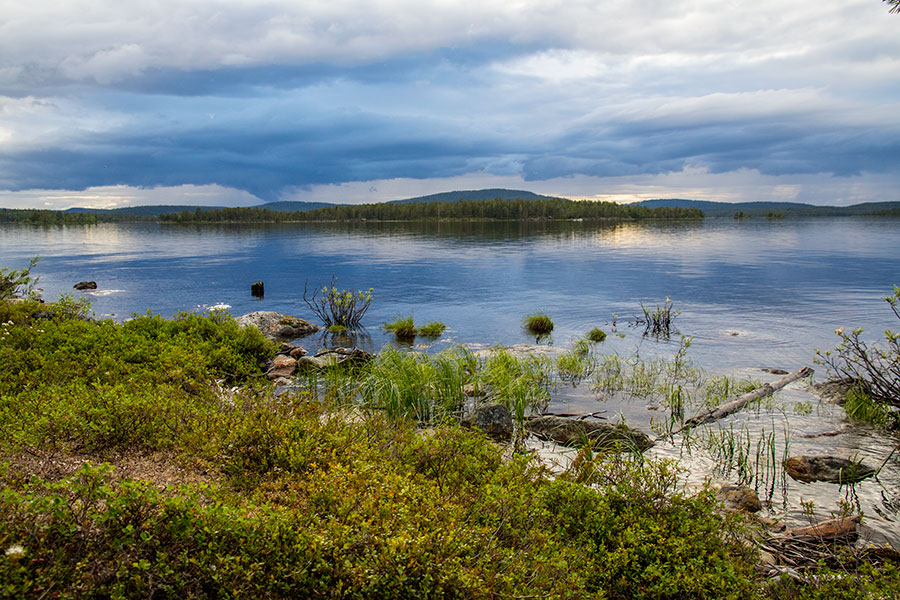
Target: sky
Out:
[108,103]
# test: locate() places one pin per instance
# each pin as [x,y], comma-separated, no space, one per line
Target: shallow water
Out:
[752,294]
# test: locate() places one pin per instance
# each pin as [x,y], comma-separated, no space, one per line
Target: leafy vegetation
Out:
[874,370]
[333,490]
[343,308]
[18,283]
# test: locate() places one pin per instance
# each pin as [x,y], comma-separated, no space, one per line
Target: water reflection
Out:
[782,286]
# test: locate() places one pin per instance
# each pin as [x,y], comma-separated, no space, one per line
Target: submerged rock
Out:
[834,390]
[278,327]
[739,497]
[826,468]
[493,419]
[576,433]
[337,356]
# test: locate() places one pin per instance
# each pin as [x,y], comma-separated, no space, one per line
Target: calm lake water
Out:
[752,294]
[782,286]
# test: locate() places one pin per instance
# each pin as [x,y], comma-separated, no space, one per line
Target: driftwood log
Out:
[731,407]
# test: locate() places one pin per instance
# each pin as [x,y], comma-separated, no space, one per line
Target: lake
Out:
[752,294]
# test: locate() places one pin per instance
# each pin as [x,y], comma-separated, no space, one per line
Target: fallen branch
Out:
[723,410]
[597,414]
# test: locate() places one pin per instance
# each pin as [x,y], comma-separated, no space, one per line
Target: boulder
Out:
[282,366]
[739,497]
[826,468]
[313,362]
[576,433]
[278,327]
[85,285]
[258,289]
[493,419]
[297,352]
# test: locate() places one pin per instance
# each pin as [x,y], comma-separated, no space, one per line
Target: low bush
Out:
[338,307]
[875,369]
[18,283]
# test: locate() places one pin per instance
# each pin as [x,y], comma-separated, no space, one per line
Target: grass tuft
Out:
[596,335]
[434,329]
[404,329]
[538,324]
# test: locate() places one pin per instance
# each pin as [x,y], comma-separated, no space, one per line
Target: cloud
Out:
[283,96]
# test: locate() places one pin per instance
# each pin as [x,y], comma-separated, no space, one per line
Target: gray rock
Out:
[826,468]
[493,419]
[277,327]
[577,433]
[85,285]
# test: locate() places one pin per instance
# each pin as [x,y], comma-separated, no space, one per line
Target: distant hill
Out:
[761,209]
[291,206]
[489,194]
[288,206]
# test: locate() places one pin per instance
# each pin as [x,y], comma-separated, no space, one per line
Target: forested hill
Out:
[489,194]
[496,209]
[761,209]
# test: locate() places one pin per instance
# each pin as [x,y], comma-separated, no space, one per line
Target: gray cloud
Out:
[283,96]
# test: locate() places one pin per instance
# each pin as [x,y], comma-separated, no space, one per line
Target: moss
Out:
[337,329]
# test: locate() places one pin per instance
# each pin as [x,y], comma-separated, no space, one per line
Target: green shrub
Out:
[338,307]
[18,283]
[538,324]
[596,335]
[874,368]
[95,385]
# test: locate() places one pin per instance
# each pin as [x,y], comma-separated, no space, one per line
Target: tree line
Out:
[55,217]
[494,210]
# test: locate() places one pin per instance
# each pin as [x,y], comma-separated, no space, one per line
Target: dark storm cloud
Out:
[292,95]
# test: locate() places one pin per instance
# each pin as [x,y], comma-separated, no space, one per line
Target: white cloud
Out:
[695,183]
[108,39]
[118,196]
